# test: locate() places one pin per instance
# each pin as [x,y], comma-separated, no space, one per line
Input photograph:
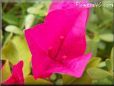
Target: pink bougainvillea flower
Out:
[17,75]
[58,44]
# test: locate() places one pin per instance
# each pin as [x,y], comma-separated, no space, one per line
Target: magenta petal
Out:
[67,4]
[62,4]
[62,35]
[74,67]
[40,60]
[40,64]
[17,75]
[75,42]
[56,24]
[48,35]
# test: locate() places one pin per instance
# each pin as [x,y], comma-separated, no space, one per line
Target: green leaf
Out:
[9,52]
[109,64]
[107,37]
[104,81]
[98,12]
[108,4]
[30,80]
[92,45]
[13,29]
[8,38]
[34,9]
[94,62]
[38,9]
[102,45]
[42,13]
[5,72]
[10,19]
[112,55]
[108,13]
[68,80]
[29,21]
[23,51]
[59,82]
[96,73]
[16,50]
[53,77]
[102,64]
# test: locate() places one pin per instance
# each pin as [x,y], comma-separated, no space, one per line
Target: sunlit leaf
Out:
[92,45]
[23,51]
[30,80]
[68,80]
[96,73]
[112,55]
[53,77]
[38,9]
[94,62]
[29,20]
[101,45]
[13,29]
[10,52]
[8,38]
[108,4]
[5,72]
[102,64]
[99,11]
[107,37]
[104,81]
[59,82]
[34,9]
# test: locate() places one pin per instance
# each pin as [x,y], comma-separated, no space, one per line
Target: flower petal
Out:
[74,67]
[44,40]
[17,75]
[56,24]
[61,4]
[75,42]
[68,4]
[40,60]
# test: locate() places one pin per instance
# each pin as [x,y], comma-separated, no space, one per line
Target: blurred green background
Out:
[19,16]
